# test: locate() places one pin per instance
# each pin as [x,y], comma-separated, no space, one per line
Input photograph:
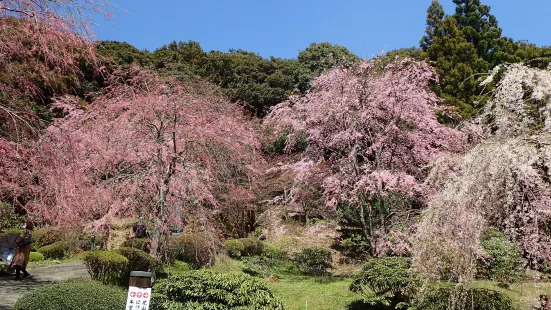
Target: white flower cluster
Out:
[521,101]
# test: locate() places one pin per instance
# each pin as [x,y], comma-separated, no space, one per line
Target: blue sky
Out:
[282,28]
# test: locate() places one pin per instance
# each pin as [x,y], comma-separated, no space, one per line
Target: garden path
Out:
[11,289]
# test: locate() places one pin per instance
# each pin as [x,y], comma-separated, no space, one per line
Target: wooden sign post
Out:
[139,291]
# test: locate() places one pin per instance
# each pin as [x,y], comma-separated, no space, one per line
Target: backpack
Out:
[26,241]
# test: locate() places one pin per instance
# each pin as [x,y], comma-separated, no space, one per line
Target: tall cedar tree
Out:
[435,16]
[450,41]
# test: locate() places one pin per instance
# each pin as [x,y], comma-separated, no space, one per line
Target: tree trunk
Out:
[367,229]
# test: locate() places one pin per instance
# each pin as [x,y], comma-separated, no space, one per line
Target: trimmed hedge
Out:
[137,243]
[252,246]
[138,260]
[204,289]
[195,249]
[105,266]
[45,236]
[234,248]
[313,261]
[56,250]
[87,295]
[9,231]
[35,257]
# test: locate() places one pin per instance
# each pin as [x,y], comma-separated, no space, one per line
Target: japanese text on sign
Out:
[138,298]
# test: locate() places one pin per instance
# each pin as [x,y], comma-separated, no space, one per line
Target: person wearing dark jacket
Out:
[21,257]
[139,229]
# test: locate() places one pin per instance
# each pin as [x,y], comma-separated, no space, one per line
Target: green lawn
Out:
[301,292]
[297,291]
[525,295]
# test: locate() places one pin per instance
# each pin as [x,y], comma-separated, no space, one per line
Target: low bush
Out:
[258,265]
[83,245]
[275,253]
[35,257]
[450,297]
[313,261]
[503,261]
[9,231]
[196,249]
[57,250]
[87,295]
[45,236]
[204,289]
[386,282]
[252,246]
[138,243]
[138,260]
[105,266]
[234,248]
[354,245]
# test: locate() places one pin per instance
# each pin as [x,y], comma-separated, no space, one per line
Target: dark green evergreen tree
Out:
[481,28]
[319,57]
[456,62]
[435,16]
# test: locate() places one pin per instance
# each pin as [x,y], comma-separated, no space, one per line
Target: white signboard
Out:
[138,298]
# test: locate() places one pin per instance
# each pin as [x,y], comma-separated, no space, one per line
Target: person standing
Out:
[21,257]
[139,229]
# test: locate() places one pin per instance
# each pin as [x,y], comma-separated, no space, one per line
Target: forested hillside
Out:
[429,166]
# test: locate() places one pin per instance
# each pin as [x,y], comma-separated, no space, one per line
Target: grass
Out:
[298,291]
[525,295]
[302,292]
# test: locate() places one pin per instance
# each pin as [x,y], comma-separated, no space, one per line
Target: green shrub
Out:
[35,257]
[204,289]
[252,246]
[354,245]
[444,297]
[313,261]
[277,146]
[138,260]
[386,282]
[9,231]
[275,253]
[45,236]
[234,247]
[105,266]
[258,265]
[87,295]
[137,243]
[503,261]
[196,249]
[8,218]
[56,250]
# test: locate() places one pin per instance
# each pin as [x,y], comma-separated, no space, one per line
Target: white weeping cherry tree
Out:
[505,181]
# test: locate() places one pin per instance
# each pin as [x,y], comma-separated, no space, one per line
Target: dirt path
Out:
[11,290]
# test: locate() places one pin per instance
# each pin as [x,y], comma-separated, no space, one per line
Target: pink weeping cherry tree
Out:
[371,131]
[143,147]
[41,42]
